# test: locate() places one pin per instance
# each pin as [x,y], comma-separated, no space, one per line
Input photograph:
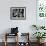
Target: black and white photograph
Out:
[17,13]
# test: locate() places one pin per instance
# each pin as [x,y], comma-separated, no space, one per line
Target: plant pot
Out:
[40,41]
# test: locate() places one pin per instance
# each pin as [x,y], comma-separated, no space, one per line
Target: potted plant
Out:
[39,35]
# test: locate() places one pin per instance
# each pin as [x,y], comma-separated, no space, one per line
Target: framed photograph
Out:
[41,12]
[18,13]
[41,8]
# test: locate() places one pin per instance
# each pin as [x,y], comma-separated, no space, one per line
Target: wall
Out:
[24,25]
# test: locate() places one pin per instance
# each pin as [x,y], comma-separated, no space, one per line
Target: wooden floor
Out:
[13,44]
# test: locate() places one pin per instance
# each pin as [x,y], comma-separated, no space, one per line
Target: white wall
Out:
[24,25]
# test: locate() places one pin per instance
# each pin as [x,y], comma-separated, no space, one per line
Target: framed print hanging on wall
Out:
[41,8]
[41,12]
[18,13]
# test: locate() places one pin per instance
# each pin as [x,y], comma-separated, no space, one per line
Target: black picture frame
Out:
[18,13]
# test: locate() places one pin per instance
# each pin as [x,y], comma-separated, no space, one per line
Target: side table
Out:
[8,34]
